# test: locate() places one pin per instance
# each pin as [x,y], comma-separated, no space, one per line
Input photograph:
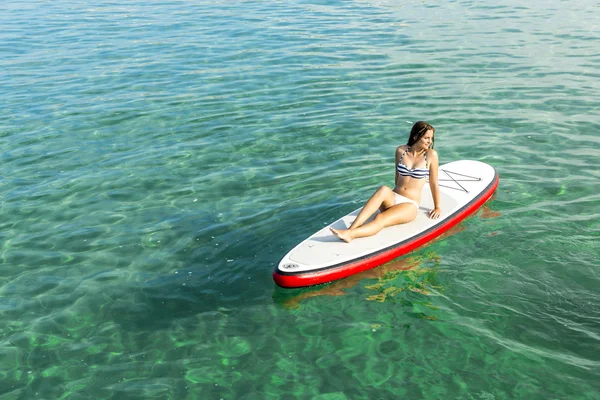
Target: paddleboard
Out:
[465,186]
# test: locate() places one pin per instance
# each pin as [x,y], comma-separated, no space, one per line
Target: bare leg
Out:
[384,196]
[398,214]
[382,199]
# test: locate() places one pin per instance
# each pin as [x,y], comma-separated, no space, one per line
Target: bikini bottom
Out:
[402,199]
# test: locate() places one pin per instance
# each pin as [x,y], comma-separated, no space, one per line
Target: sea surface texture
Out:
[158,159]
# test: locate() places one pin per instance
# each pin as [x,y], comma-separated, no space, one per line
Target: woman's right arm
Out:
[398,154]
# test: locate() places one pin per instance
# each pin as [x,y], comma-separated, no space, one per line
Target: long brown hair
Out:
[419,129]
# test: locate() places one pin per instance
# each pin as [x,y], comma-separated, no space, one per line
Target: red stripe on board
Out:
[333,274]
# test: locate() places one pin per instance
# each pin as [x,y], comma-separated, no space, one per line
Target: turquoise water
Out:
[160,157]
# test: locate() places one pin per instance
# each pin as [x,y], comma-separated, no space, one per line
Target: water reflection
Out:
[394,280]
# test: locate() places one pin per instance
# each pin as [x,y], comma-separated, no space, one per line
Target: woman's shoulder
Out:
[431,153]
[432,156]
[401,148]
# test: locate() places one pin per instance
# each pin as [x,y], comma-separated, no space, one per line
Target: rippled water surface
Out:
[160,157]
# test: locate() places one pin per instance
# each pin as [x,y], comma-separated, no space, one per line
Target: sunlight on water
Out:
[159,159]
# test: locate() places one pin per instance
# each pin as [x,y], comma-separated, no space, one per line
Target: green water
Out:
[160,157]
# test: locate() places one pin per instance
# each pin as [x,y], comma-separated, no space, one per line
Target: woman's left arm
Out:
[433,183]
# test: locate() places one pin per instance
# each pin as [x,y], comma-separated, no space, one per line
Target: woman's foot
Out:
[343,234]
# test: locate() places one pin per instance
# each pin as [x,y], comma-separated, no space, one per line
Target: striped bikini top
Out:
[417,173]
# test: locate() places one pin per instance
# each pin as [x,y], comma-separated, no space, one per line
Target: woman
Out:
[415,161]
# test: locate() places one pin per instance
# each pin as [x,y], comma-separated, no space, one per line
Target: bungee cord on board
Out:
[452,179]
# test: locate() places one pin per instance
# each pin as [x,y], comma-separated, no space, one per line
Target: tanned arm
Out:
[433,183]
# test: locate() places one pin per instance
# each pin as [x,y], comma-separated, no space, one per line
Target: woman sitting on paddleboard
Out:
[415,161]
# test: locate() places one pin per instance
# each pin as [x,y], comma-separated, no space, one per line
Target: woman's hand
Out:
[435,213]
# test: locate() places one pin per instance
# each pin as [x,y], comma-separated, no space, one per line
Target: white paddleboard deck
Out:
[464,186]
